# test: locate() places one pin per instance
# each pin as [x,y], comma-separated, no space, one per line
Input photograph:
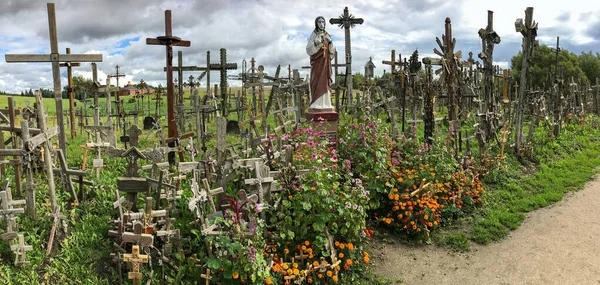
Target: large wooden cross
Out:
[118,99]
[347,21]
[488,39]
[393,63]
[55,58]
[169,41]
[223,66]
[68,65]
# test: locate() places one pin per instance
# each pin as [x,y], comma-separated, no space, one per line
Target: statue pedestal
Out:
[326,121]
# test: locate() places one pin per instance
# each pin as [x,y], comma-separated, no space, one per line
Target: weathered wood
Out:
[47,148]
[53,58]
[33,142]
[132,184]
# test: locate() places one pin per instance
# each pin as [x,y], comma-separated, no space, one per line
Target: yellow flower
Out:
[296,271]
[285,266]
[295,265]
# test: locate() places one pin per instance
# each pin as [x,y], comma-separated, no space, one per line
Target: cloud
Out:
[273,32]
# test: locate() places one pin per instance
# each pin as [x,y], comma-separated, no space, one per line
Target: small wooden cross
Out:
[206,276]
[56,217]
[135,258]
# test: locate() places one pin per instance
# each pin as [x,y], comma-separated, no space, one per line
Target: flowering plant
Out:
[238,249]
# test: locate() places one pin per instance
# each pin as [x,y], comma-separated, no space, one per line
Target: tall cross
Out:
[118,99]
[223,66]
[68,65]
[169,41]
[55,58]
[488,39]
[347,21]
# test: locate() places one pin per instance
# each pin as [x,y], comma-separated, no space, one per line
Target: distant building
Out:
[369,67]
[130,90]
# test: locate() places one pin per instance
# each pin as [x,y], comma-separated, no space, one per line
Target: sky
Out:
[274,32]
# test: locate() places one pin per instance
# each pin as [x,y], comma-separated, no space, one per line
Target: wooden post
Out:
[47,155]
[528,30]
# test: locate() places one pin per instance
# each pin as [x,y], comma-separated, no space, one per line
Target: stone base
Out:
[324,120]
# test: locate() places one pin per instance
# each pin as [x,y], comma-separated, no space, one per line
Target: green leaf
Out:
[306,206]
[228,274]
[213,263]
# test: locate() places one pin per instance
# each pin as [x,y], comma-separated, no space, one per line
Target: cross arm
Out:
[172,41]
[216,66]
[53,57]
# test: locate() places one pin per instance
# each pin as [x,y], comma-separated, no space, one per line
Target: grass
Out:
[568,163]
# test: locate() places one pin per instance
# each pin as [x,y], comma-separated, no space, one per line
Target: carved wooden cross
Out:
[55,58]
[347,21]
[488,39]
[223,66]
[159,185]
[135,258]
[169,41]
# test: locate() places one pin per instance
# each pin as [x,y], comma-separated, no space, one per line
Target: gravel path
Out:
[559,244]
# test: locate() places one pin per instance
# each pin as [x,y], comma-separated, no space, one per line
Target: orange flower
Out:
[268,281]
[329,273]
[320,275]
[334,278]
[337,243]
[307,243]
[310,281]
[287,251]
[342,245]
[315,263]
[341,255]
[350,246]
[236,275]
[366,259]
[349,261]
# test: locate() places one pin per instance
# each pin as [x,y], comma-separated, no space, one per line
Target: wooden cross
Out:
[8,211]
[347,21]
[206,276]
[159,184]
[20,250]
[118,99]
[55,58]
[56,216]
[135,258]
[65,172]
[223,66]
[529,31]
[68,65]
[169,41]
[488,39]
[393,62]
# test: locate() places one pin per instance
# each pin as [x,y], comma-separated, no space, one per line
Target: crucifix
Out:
[56,217]
[169,41]
[118,99]
[68,65]
[347,21]
[55,58]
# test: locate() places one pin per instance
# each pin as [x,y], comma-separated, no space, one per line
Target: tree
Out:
[357,79]
[542,66]
[590,64]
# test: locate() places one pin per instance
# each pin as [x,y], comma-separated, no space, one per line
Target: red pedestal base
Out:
[326,121]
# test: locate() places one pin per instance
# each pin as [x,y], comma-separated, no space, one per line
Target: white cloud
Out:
[273,32]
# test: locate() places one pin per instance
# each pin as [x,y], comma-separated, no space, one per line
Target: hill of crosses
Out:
[292,177]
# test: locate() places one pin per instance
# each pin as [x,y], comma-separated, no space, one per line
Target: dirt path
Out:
[559,244]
